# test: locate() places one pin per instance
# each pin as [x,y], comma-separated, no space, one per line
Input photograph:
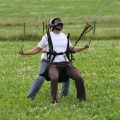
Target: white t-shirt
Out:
[59,45]
[43,56]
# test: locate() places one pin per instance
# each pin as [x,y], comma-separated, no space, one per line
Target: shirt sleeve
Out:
[43,43]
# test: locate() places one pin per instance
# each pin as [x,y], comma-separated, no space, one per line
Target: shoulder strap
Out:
[68,44]
[68,52]
[51,54]
[50,47]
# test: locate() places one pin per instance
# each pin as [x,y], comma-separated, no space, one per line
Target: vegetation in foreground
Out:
[99,66]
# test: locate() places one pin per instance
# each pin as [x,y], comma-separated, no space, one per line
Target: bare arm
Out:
[31,52]
[43,50]
[77,49]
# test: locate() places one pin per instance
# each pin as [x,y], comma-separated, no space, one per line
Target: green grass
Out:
[99,66]
[74,14]
[17,9]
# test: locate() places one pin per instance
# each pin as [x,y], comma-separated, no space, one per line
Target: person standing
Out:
[40,80]
[58,61]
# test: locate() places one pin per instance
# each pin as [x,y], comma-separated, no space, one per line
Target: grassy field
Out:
[99,65]
[75,14]
[101,71]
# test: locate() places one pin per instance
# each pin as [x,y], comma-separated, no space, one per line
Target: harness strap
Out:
[50,47]
[68,51]
[54,53]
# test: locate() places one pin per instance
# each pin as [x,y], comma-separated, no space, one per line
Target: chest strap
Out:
[52,54]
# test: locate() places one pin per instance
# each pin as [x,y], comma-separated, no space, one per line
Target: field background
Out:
[99,65]
[75,14]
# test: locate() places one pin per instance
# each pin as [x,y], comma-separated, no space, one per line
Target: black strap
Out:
[68,44]
[50,47]
[68,51]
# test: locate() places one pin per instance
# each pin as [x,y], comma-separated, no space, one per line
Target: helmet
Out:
[55,22]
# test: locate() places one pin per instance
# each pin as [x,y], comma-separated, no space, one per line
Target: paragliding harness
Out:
[51,54]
